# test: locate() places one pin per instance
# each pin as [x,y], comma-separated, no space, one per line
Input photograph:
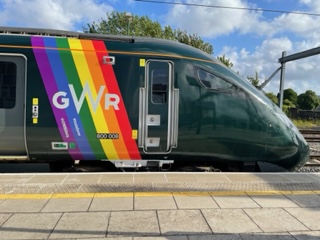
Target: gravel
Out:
[309,169]
[315,150]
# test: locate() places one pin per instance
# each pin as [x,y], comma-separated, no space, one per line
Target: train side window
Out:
[159,81]
[8,82]
[212,81]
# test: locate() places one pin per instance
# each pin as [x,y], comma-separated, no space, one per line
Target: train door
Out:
[158,126]
[12,102]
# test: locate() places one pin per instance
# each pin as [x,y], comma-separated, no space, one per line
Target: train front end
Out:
[286,147]
[276,143]
[233,121]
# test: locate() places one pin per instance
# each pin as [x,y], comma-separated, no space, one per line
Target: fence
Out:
[304,114]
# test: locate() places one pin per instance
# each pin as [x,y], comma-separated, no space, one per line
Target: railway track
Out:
[312,136]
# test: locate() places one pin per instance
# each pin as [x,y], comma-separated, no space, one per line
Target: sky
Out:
[252,40]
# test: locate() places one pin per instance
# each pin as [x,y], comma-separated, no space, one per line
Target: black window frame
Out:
[218,84]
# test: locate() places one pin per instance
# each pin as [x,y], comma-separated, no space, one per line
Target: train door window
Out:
[8,82]
[159,82]
[211,81]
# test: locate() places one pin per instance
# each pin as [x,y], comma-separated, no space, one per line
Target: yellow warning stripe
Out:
[150,194]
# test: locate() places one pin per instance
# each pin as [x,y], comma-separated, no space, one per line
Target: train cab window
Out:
[212,81]
[159,81]
[8,81]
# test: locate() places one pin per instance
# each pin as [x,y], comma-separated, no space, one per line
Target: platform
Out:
[186,206]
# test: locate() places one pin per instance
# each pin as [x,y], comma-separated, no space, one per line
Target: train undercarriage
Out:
[144,166]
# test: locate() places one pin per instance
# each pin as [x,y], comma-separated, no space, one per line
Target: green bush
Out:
[300,123]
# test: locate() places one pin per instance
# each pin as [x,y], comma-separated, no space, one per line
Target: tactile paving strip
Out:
[155,187]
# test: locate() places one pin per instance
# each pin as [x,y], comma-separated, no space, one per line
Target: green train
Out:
[135,102]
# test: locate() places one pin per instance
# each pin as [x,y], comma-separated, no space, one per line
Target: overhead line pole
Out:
[269,79]
[304,54]
[284,59]
[282,74]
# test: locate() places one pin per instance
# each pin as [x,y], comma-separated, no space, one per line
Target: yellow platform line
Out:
[150,194]
[73,195]
[113,194]
[153,194]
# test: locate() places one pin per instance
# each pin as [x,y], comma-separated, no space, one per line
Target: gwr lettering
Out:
[61,101]
[107,135]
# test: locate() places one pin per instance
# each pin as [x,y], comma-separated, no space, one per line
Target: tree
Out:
[287,104]
[289,99]
[272,97]
[308,100]
[193,40]
[122,24]
[254,80]
[225,61]
[290,95]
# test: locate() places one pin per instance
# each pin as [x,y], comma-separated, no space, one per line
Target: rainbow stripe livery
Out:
[85,98]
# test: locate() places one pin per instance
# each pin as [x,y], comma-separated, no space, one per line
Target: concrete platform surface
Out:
[195,206]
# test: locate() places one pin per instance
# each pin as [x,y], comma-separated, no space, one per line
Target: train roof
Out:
[162,45]
[62,33]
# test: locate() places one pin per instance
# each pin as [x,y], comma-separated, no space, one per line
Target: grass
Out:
[300,123]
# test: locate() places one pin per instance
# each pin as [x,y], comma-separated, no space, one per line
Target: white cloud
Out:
[300,75]
[56,14]
[298,24]
[313,5]
[265,57]
[211,22]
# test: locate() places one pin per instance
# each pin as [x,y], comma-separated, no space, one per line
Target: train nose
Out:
[304,150]
[287,146]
